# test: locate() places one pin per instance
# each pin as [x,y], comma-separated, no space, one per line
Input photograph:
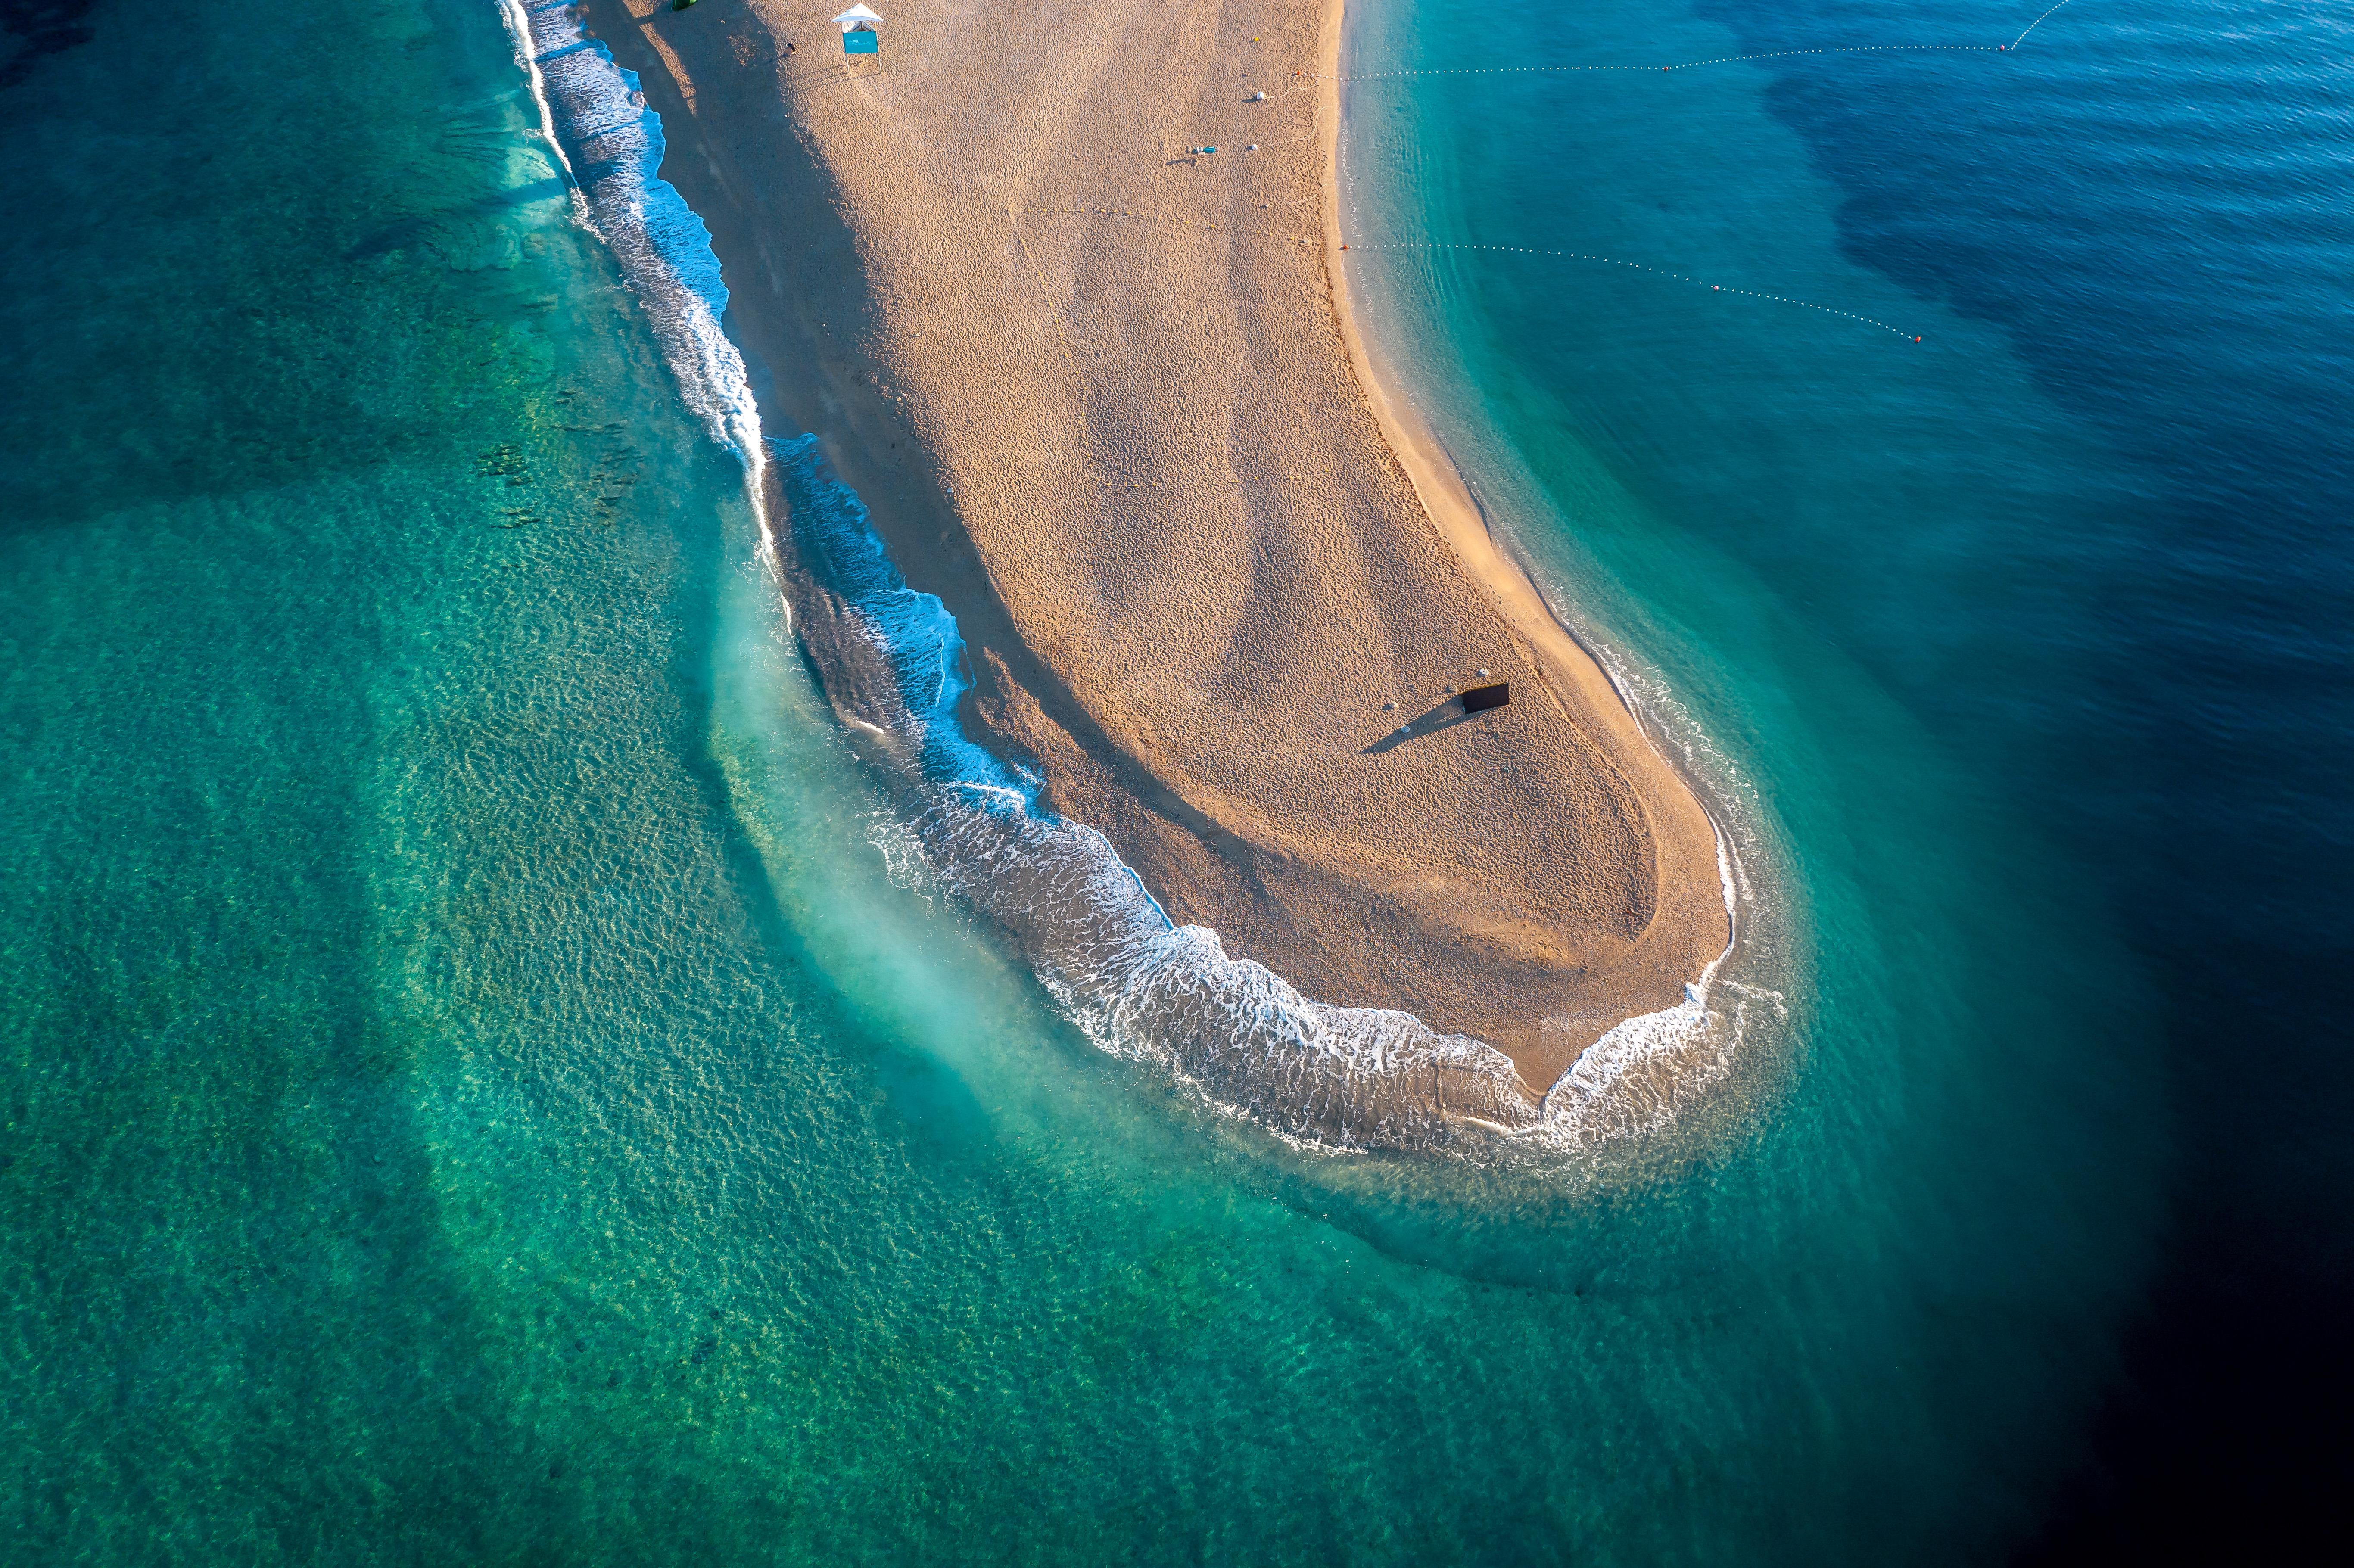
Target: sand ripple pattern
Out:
[1170,997]
[1141,988]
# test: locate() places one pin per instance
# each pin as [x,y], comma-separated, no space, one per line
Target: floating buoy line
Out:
[1713,61]
[1177,220]
[2032,25]
[1856,316]
[1656,273]
[1679,64]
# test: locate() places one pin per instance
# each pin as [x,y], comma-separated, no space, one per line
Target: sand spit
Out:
[1099,391]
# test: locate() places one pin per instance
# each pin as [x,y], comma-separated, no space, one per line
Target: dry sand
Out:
[1101,394]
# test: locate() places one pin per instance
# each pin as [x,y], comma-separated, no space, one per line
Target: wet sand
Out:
[1101,392]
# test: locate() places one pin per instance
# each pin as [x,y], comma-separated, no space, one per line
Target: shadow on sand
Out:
[1446,715]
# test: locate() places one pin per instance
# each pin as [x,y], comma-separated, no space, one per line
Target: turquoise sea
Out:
[494,1076]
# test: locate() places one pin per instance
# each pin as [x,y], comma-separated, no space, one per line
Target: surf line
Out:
[1656,273]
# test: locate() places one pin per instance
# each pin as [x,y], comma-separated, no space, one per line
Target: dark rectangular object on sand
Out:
[1480,699]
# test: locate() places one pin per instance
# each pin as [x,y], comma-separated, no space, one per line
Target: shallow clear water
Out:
[477,1090]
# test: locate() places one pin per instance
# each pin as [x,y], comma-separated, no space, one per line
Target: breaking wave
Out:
[610,145]
[891,661]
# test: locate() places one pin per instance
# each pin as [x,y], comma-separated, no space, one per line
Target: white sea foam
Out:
[1330,1076]
[1141,988]
[611,146]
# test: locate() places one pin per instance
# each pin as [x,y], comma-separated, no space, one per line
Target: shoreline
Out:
[810,289]
[1445,495]
[1453,508]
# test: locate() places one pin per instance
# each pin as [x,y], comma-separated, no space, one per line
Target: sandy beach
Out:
[1101,393]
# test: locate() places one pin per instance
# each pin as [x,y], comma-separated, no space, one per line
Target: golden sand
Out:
[1101,393]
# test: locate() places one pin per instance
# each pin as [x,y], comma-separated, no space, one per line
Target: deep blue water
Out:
[2091,534]
[2158,223]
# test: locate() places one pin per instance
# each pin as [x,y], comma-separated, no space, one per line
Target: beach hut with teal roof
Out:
[858,31]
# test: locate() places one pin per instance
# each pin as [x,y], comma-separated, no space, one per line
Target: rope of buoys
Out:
[1181,222]
[1657,272]
[1717,59]
[2032,27]
[1685,64]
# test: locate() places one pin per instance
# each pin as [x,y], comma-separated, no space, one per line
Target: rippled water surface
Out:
[491,1077]
[1945,404]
